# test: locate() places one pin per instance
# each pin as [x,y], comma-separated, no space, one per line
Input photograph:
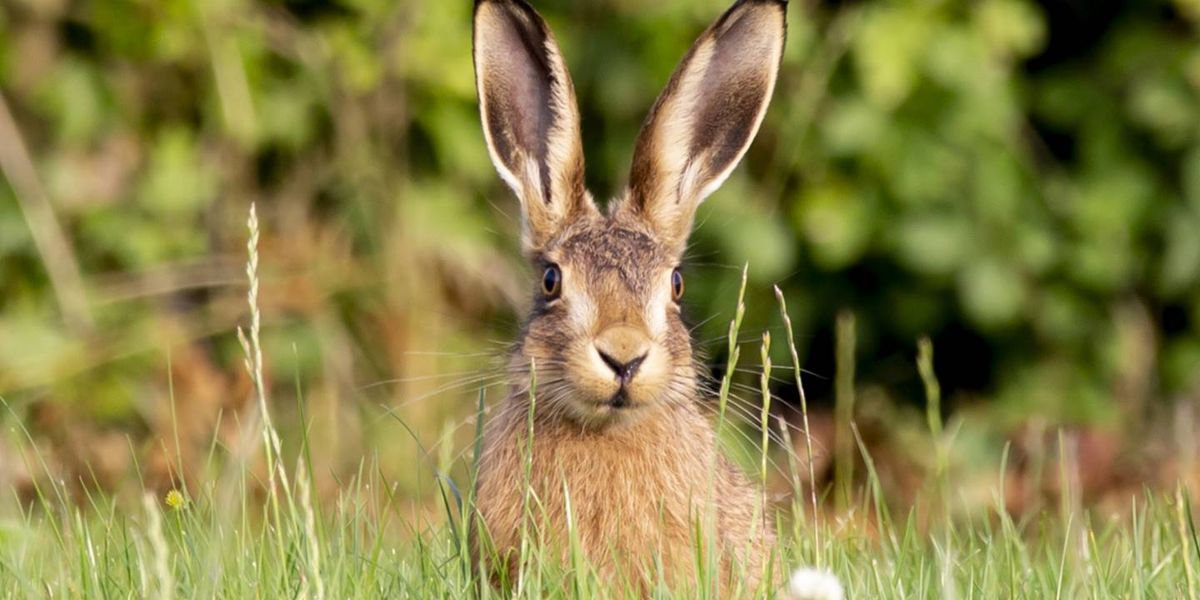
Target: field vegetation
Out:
[982,217]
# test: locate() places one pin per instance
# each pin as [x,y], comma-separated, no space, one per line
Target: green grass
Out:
[257,529]
[365,546]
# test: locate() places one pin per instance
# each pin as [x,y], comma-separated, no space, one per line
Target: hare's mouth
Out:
[619,399]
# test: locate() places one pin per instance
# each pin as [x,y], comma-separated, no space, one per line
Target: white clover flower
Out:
[814,584]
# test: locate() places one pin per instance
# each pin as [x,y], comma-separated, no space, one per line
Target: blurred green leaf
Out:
[73,98]
[836,222]
[178,183]
[747,233]
[992,292]
[888,50]
[966,170]
[1191,178]
[1062,317]
[1010,27]
[1181,259]
[1167,109]
[933,244]
[1180,358]
[852,127]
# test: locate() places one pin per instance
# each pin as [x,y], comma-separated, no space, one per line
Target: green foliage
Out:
[924,165]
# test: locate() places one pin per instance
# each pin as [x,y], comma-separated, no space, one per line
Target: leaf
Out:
[992,292]
[933,244]
[887,51]
[836,222]
[1181,256]
[748,232]
[1011,27]
[177,184]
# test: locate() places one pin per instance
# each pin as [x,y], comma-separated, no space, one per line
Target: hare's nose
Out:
[623,370]
[623,349]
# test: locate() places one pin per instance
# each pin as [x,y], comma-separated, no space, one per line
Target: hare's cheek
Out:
[543,346]
[659,312]
[591,380]
[581,312]
[653,377]
[678,341]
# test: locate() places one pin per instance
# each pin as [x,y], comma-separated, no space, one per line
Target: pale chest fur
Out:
[636,495]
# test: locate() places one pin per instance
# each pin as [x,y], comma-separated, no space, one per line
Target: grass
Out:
[259,530]
[360,548]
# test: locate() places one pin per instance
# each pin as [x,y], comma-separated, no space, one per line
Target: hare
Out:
[601,442]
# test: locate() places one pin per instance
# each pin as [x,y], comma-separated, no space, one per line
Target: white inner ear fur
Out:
[685,173]
[563,147]
[767,45]
[524,168]
[675,134]
[529,192]
[562,143]
[485,29]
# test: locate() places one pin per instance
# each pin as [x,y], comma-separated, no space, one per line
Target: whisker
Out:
[483,381]
[417,378]
[448,354]
[693,328]
[758,371]
[751,418]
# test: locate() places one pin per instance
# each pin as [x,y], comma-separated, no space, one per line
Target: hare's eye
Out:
[676,284]
[551,282]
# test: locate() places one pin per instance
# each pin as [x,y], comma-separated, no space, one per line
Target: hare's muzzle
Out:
[623,349]
[623,370]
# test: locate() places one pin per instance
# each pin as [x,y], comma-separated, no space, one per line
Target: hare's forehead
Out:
[629,254]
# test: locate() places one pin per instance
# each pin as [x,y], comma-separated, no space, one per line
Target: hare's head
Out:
[605,335]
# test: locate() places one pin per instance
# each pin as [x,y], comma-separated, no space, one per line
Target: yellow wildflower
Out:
[175,499]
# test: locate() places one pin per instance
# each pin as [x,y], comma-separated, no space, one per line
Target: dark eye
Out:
[551,282]
[676,284]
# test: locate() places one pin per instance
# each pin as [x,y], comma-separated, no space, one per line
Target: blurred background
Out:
[1018,180]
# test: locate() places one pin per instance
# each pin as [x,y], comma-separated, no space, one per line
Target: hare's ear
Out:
[530,119]
[706,117]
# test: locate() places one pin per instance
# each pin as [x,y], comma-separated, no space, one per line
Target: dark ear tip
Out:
[744,5]
[782,4]
[522,4]
[741,4]
[512,6]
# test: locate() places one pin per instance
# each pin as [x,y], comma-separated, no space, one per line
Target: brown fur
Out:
[637,493]
[632,455]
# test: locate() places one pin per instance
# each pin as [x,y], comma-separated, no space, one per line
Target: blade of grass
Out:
[843,473]
[796,370]
[1184,513]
